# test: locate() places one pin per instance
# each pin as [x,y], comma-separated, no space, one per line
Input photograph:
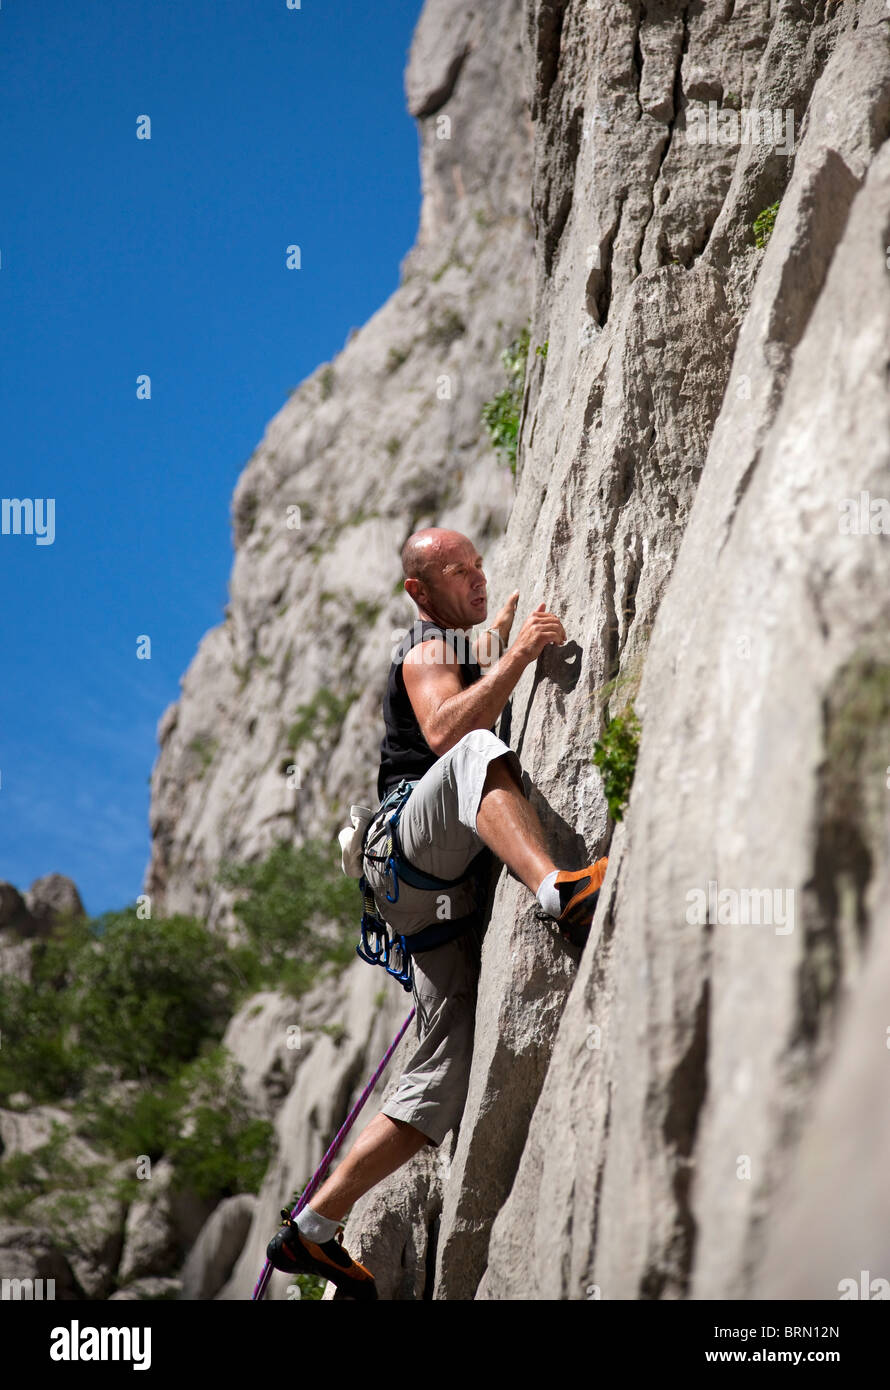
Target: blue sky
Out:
[121,257]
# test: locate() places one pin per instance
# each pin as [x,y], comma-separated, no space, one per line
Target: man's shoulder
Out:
[432,647]
[428,643]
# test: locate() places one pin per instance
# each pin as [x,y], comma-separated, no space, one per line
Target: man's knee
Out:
[501,771]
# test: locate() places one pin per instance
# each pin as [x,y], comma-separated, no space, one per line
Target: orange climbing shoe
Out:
[291,1252]
[579,892]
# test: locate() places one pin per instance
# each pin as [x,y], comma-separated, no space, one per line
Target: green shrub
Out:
[47,1170]
[116,996]
[205,748]
[501,414]
[299,912]
[38,1053]
[319,717]
[443,330]
[366,611]
[395,358]
[615,754]
[144,1123]
[224,1149]
[310,1285]
[763,225]
[148,993]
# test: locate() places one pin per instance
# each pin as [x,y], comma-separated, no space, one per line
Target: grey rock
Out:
[27,1252]
[12,906]
[52,897]
[152,1288]
[160,1227]
[23,1131]
[221,1240]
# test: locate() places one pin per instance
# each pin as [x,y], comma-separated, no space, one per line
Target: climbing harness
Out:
[378,945]
[320,1172]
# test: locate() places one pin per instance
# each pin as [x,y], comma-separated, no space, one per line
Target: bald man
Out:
[465,803]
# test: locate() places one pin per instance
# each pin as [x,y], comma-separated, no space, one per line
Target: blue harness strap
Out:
[378,946]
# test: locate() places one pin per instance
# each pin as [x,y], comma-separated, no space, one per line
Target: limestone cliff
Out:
[673,1114]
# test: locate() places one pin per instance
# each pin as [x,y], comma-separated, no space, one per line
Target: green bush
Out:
[321,716]
[443,330]
[38,1053]
[501,414]
[148,993]
[615,754]
[135,997]
[394,359]
[205,748]
[222,1149]
[45,1171]
[311,1287]
[299,912]
[144,1123]
[199,1120]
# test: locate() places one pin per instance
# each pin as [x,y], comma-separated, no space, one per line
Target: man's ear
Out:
[415,590]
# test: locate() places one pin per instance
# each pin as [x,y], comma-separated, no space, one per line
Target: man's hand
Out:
[504,620]
[537,632]
[444,709]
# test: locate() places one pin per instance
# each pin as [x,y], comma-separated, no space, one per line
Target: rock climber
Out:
[465,803]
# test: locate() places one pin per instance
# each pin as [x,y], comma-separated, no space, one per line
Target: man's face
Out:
[459,588]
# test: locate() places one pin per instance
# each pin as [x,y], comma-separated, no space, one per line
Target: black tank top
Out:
[404,751]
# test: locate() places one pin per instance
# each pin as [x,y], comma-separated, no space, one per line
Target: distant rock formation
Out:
[47,900]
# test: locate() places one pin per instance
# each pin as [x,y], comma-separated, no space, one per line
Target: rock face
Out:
[704,457]
[764,702]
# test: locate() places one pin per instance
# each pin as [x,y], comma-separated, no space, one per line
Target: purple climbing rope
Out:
[321,1170]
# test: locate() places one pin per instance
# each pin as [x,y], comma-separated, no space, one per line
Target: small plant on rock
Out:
[763,225]
[500,415]
[615,754]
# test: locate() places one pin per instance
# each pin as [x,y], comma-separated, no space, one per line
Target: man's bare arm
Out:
[445,710]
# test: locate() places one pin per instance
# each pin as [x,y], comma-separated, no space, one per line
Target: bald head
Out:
[444,576]
[426,553]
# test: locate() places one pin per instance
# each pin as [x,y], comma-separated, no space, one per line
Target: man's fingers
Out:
[555,632]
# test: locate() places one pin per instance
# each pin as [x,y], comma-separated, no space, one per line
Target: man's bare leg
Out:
[382,1147]
[509,825]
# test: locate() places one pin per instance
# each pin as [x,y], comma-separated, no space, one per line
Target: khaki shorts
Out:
[437,831]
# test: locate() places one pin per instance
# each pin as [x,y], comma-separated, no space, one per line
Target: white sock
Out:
[316,1228]
[548,895]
